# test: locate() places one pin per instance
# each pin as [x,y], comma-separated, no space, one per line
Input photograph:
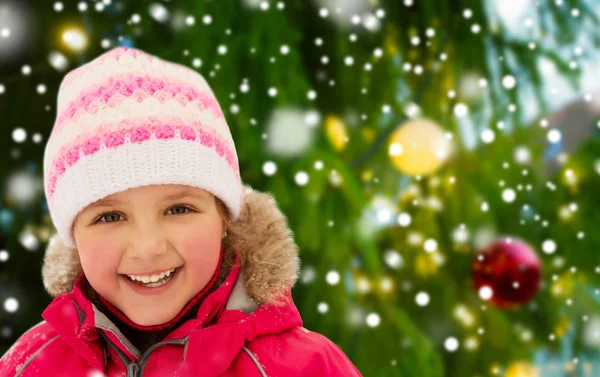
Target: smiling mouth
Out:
[155,284]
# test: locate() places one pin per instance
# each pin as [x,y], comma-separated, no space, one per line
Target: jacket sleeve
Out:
[328,360]
[18,356]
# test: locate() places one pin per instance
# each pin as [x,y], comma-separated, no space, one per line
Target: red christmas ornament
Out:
[507,273]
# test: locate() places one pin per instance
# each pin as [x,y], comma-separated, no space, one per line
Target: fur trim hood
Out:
[270,268]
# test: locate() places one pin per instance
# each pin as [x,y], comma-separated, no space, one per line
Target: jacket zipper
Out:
[136,369]
[133,370]
[142,364]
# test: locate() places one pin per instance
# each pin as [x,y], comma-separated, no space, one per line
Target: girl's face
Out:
[147,230]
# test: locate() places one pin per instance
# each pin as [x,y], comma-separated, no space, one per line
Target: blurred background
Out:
[438,161]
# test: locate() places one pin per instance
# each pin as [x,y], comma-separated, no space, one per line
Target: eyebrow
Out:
[108,202]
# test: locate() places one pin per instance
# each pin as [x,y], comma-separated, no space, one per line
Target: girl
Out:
[164,262]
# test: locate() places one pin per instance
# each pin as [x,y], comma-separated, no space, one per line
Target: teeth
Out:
[152,278]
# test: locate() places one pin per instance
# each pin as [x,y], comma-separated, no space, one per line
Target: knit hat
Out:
[130,119]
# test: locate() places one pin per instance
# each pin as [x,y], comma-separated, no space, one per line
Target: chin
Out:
[153,319]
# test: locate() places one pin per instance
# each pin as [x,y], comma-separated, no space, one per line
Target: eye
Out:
[180,206]
[115,216]
[108,215]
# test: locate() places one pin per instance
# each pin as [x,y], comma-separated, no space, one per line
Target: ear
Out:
[61,267]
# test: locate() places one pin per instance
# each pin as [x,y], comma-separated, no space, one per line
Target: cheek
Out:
[201,248]
[98,259]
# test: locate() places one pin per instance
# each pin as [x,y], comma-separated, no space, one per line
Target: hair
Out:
[230,246]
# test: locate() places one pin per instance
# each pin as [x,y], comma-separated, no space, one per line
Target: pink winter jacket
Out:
[247,336]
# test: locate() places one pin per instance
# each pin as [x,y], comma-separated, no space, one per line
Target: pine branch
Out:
[388,131]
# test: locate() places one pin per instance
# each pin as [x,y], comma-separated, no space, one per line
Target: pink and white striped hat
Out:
[130,119]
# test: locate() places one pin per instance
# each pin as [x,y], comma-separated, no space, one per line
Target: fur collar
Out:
[270,268]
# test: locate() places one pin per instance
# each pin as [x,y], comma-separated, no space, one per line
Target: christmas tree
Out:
[438,162]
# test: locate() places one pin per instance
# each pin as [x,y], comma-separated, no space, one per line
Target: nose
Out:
[147,244]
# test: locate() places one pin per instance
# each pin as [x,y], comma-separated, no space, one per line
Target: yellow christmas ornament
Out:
[419,147]
[336,132]
[522,369]
[425,265]
[74,38]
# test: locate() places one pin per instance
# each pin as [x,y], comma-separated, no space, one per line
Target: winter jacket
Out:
[249,326]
